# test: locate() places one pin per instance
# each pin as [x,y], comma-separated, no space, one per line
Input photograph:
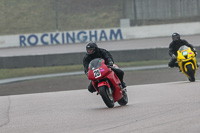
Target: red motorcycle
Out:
[106,83]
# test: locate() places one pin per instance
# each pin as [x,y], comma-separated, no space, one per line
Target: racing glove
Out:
[195,52]
[174,56]
[86,73]
[110,63]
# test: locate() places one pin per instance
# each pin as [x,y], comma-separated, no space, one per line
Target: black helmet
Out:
[91,48]
[175,36]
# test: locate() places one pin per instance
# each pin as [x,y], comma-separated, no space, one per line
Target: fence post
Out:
[135,12]
[56,15]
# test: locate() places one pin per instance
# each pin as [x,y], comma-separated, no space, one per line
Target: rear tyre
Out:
[106,94]
[190,72]
[124,100]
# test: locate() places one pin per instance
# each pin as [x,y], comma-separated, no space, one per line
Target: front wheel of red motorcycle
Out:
[107,96]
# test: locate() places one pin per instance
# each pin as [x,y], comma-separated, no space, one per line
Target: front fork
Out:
[99,84]
[105,83]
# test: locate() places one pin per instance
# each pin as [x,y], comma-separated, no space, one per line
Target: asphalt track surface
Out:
[155,108]
[172,107]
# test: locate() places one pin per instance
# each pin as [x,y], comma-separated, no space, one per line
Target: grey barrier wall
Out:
[76,58]
[41,60]
[141,10]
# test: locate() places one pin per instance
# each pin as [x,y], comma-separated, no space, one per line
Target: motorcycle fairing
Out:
[185,56]
[116,84]
[98,69]
[101,75]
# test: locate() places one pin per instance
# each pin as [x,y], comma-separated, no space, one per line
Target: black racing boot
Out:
[176,65]
[123,85]
[91,90]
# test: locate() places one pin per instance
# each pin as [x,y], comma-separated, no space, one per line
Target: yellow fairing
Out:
[186,56]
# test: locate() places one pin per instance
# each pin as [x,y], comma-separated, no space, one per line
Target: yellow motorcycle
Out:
[187,62]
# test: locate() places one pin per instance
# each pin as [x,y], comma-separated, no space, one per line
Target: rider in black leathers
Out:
[176,43]
[92,52]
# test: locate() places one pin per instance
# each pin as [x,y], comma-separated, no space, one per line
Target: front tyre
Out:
[124,100]
[106,94]
[190,72]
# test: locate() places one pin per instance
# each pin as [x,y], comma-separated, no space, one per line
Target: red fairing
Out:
[103,83]
[117,93]
[98,75]
[103,69]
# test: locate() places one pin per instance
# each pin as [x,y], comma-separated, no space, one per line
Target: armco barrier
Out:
[77,58]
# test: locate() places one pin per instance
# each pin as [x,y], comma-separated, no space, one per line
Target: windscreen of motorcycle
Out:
[183,48]
[95,63]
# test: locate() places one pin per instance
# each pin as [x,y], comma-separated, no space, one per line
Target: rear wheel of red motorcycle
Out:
[190,72]
[107,96]
[124,100]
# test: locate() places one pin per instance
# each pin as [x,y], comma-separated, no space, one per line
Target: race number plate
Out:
[97,73]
